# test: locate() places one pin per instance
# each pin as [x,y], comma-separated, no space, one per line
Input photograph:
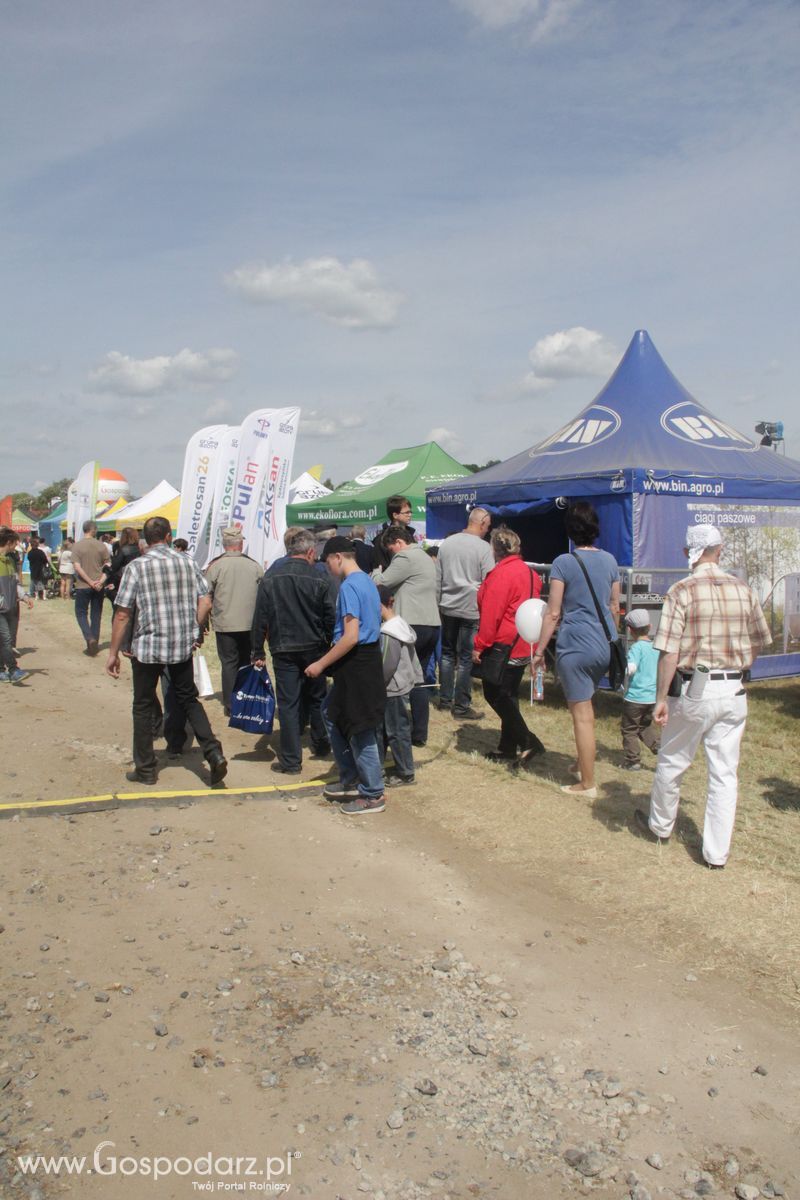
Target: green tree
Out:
[473,467]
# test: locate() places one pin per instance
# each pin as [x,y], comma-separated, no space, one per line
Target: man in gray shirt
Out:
[463,563]
[233,581]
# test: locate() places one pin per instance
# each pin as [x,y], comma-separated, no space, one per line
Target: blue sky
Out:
[422,217]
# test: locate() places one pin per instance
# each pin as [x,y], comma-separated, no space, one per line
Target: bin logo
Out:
[690,423]
[594,425]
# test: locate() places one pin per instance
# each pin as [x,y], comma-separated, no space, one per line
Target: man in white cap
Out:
[711,630]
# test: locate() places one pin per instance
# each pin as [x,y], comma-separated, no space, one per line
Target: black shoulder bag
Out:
[495,660]
[618,658]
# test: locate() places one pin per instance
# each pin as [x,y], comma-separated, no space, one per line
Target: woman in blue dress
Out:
[582,649]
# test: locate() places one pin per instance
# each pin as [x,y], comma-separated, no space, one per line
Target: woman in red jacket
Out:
[500,595]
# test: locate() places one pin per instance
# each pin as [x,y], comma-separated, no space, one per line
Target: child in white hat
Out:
[640,693]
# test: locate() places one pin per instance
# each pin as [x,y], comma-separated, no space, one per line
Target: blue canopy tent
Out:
[650,458]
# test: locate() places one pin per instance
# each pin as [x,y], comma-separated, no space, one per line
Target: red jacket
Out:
[499,597]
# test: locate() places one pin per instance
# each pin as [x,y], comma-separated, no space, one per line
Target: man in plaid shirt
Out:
[710,619]
[167,597]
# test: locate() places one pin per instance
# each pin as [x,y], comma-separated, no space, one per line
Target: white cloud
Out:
[216,409]
[348,294]
[541,18]
[126,376]
[315,424]
[448,439]
[575,353]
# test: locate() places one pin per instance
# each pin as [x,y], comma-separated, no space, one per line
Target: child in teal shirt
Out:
[640,694]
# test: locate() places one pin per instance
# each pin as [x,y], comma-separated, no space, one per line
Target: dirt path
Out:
[254,978]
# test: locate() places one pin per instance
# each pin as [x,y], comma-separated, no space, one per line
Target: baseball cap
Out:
[337,545]
[638,618]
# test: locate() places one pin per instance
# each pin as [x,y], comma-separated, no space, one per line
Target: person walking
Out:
[357,701]
[639,699]
[501,652]
[39,568]
[11,593]
[463,562]
[711,631]
[411,577]
[89,556]
[296,612]
[233,580]
[582,648]
[66,569]
[167,596]
[126,549]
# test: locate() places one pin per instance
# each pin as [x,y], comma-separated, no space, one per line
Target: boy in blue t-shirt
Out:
[640,693]
[357,700]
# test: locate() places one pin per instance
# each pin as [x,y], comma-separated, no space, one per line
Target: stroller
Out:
[52,582]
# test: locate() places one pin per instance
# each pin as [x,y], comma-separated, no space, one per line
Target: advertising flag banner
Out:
[263,475]
[222,491]
[199,472]
[84,502]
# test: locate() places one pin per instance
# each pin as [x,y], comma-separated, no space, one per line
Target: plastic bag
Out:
[252,701]
[202,677]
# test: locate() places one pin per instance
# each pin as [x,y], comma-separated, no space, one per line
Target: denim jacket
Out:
[295,609]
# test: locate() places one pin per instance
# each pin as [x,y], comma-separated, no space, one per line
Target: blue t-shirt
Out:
[358,597]
[642,688]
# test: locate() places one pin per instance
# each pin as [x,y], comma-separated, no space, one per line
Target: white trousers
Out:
[717,720]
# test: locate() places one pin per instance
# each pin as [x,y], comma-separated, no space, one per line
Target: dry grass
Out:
[744,921]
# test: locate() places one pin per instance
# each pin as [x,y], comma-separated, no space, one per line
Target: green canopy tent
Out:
[362,501]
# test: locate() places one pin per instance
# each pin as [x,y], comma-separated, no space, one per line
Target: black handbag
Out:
[618,656]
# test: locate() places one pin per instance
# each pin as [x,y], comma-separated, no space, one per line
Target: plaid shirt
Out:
[712,618]
[162,587]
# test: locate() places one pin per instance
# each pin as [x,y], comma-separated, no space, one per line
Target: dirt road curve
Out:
[349,1008]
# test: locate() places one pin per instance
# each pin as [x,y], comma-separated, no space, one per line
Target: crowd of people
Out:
[355,631]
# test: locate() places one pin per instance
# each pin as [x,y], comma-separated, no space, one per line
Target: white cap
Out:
[700,538]
[638,618]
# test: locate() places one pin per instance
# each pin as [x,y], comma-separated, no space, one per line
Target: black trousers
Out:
[146,677]
[234,652]
[427,641]
[503,697]
[299,700]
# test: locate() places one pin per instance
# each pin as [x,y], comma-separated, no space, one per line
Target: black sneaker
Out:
[282,770]
[468,714]
[419,742]
[173,754]
[400,780]
[134,777]
[643,821]
[323,750]
[218,767]
[340,791]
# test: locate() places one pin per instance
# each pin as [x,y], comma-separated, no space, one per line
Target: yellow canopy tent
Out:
[169,510]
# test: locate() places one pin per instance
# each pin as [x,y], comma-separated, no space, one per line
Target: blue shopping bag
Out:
[252,701]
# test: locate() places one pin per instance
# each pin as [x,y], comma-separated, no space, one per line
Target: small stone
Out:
[771,1188]
[573,1156]
[590,1164]
[183,883]
[713,1092]
[155,830]
[690,978]
[663,1069]
[426,1087]
[746,1191]
[655,1161]
[760,1070]
[224,985]
[612,1089]
[478,1046]
[33,1004]
[640,1192]
[291,808]
[508,1010]
[160,1029]
[395,1119]
[102,997]
[731,1168]
[297,958]
[269,1079]
[45,946]
[444,964]
[704,1187]
[97,1094]
[712,1060]
[199,1060]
